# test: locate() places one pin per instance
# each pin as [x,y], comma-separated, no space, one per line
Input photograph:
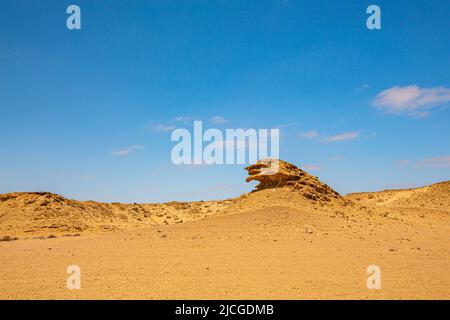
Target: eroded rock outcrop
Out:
[273,173]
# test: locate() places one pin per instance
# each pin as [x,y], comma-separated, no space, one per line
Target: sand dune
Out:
[293,238]
[436,196]
[40,214]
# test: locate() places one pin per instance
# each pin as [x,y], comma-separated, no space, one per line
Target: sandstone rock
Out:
[272,173]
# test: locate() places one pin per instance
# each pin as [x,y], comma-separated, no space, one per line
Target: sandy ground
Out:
[271,244]
[273,253]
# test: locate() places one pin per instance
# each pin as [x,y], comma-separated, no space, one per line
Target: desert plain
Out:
[293,237]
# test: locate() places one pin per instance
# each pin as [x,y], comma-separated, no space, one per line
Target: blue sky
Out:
[86,113]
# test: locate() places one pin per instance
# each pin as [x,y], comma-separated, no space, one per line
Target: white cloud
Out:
[404,163]
[432,162]
[287,125]
[164,128]
[218,119]
[363,87]
[311,134]
[126,151]
[310,167]
[184,119]
[342,136]
[436,162]
[411,100]
[370,135]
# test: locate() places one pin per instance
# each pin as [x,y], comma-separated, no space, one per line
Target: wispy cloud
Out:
[341,137]
[163,128]
[126,151]
[184,119]
[218,120]
[431,162]
[404,163]
[310,167]
[363,87]
[411,100]
[370,135]
[171,126]
[434,162]
[314,134]
[311,134]
[287,125]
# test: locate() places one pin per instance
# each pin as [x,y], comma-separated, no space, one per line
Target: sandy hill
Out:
[293,237]
[43,213]
[37,214]
[281,184]
[436,196]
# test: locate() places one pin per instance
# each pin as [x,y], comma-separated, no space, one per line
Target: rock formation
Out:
[273,173]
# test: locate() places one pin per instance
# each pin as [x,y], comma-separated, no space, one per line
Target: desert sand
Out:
[294,237]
